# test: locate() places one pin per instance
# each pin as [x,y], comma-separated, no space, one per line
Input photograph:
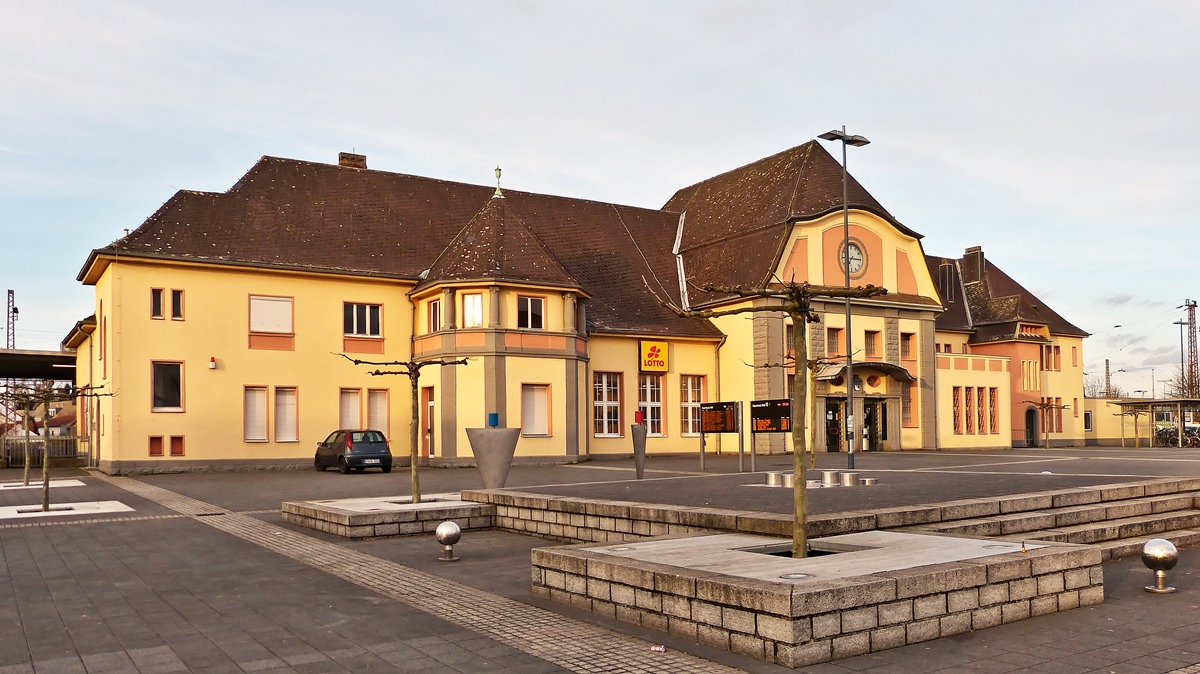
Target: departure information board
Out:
[771,416]
[718,418]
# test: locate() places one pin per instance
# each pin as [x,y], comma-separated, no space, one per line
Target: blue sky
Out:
[1061,136]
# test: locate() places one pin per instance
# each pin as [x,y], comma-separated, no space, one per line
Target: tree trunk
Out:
[46,469]
[414,432]
[25,418]
[800,436]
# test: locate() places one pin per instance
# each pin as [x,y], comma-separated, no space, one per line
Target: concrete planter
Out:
[493,449]
[638,432]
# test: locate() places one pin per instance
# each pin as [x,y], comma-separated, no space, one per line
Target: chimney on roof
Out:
[351,160]
[973,265]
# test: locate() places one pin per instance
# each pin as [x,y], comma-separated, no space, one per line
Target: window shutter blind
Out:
[377,411]
[351,412]
[256,414]
[271,314]
[285,415]
[534,410]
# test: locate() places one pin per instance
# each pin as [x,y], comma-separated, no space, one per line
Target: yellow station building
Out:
[221,322]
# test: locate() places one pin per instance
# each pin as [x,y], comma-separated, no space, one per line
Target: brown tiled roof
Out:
[738,222]
[496,245]
[992,306]
[318,217]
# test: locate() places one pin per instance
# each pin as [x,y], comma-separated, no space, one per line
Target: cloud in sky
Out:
[1057,136]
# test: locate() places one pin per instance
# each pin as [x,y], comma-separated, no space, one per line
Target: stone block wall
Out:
[805,623]
[355,524]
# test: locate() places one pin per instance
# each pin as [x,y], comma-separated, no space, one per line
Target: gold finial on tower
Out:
[498,192]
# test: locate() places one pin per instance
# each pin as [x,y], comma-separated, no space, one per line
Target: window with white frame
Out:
[271,314]
[531,313]
[535,409]
[472,310]
[254,414]
[435,315]
[606,404]
[361,320]
[650,401]
[286,419]
[1087,421]
[691,392]
[350,409]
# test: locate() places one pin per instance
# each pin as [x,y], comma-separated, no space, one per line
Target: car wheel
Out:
[317,463]
[387,469]
[342,466]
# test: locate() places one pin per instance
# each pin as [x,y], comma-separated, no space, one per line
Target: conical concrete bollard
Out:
[639,449]
[493,449]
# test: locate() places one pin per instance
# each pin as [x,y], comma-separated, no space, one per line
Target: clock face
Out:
[856,258]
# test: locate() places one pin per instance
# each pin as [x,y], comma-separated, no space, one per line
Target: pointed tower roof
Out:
[497,245]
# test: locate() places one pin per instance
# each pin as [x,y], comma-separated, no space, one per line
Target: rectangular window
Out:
[906,405]
[958,425]
[994,408]
[350,409]
[691,392]
[1074,357]
[255,414]
[833,341]
[434,315]
[156,445]
[472,310]
[287,421]
[650,402]
[1057,359]
[606,404]
[1075,406]
[361,320]
[531,313]
[969,411]
[1058,415]
[168,386]
[535,409]
[871,343]
[272,315]
[176,445]
[377,410]
[1087,422]
[907,340]
[156,303]
[981,410]
[177,305]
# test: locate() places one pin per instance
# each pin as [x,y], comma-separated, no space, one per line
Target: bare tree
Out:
[794,299]
[412,370]
[26,397]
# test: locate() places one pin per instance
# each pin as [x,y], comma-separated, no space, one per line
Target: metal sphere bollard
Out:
[447,533]
[1160,556]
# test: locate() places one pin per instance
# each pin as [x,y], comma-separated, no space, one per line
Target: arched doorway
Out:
[1031,427]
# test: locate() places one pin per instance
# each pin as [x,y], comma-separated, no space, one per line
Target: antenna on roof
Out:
[498,192]
[683,293]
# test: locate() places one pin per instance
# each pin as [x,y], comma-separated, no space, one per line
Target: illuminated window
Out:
[472,310]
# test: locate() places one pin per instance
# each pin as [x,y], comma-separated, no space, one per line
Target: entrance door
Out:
[833,425]
[1031,427]
[871,425]
[427,421]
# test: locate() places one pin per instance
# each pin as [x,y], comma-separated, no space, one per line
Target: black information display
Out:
[718,418]
[771,416]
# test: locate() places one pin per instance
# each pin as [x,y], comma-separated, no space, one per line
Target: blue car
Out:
[349,449]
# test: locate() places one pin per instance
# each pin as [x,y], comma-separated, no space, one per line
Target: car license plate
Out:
[370,460]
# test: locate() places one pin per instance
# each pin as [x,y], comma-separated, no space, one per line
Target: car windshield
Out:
[367,436]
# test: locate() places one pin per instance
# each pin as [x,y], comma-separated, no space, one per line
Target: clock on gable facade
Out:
[855,256]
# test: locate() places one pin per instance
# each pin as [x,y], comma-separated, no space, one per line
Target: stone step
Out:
[1055,518]
[1131,547]
[1118,529]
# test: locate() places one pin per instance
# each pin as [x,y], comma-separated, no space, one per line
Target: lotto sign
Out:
[653,357]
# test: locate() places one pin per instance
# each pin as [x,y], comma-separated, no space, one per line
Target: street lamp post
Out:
[856,141]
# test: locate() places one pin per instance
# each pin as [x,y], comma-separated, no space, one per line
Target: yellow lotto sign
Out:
[653,357]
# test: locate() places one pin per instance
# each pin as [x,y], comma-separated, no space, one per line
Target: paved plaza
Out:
[203,575]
